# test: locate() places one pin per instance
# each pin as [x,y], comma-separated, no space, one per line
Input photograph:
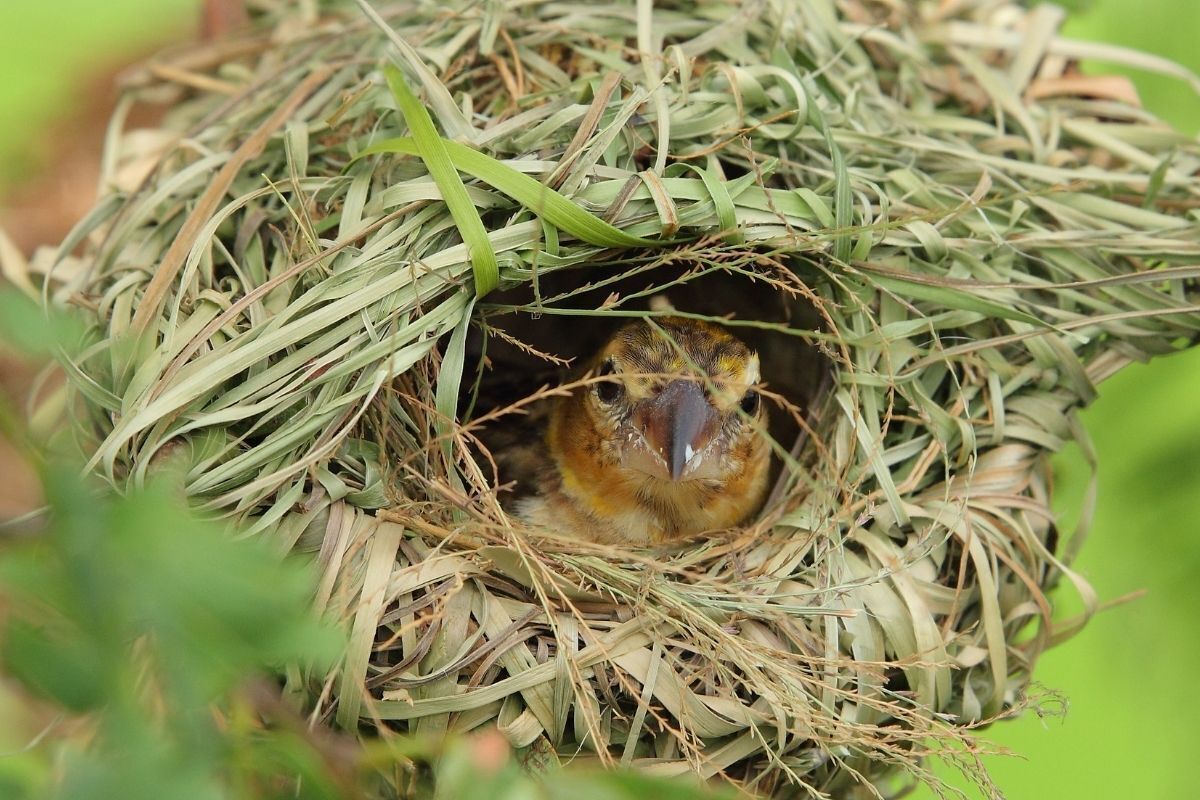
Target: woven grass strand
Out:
[280,298]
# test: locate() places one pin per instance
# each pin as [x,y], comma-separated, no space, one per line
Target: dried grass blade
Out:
[385,541]
[206,204]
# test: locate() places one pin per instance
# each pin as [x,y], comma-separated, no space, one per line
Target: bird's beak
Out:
[677,426]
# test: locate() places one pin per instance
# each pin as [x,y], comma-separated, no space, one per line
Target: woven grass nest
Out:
[939,237]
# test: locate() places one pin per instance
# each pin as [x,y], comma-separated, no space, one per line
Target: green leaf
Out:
[34,330]
[432,150]
[537,197]
[60,665]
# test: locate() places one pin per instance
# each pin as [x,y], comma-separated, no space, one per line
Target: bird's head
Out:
[675,402]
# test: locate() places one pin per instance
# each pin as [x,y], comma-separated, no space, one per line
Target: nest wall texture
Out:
[283,302]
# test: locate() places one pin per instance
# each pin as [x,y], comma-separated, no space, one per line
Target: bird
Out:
[663,438]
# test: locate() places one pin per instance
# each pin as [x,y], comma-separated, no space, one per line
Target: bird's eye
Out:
[750,401]
[609,391]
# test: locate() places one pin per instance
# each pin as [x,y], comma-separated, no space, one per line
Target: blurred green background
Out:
[1129,677]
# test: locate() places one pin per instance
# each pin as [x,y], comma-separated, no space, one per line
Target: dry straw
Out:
[287,280]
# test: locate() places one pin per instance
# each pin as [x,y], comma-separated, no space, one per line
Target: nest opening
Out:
[537,336]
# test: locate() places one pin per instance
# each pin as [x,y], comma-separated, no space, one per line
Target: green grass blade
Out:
[537,197]
[432,150]
[951,297]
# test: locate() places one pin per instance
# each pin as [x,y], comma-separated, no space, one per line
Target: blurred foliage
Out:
[155,643]
[152,622]
[134,610]
[25,328]
[53,56]
[1166,28]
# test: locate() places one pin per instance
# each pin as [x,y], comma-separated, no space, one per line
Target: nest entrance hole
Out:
[543,333]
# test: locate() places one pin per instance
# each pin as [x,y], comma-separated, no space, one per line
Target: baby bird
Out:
[668,442]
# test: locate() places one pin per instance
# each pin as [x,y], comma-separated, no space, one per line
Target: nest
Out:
[289,283]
